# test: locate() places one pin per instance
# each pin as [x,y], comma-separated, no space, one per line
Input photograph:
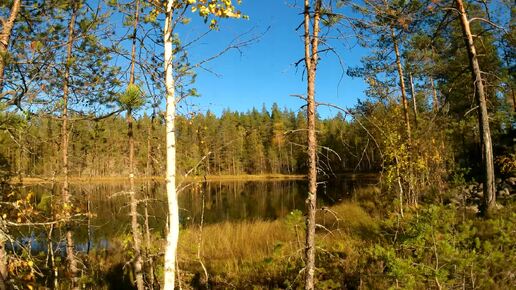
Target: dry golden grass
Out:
[118,179]
[80,179]
[347,216]
[235,242]
[236,247]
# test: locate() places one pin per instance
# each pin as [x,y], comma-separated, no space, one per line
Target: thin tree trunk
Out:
[51,260]
[54,274]
[435,99]
[402,85]
[70,255]
[5,37]
[400,187]
[151,185]
[3,255]
[89,229]
[173,208]
[135,226]
[150,133]
[405,109]
[21,151]
[199,238]
[483,117]
[414,101]
[149,260]
[311,48]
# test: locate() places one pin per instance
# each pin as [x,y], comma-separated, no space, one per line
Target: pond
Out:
[214,201]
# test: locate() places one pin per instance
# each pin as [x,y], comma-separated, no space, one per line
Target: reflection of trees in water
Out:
[109,233]
[242,201]
[224,201]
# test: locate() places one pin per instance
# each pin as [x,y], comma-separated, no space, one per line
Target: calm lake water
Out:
[223,201]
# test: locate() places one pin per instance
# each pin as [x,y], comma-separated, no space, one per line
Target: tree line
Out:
[255,142]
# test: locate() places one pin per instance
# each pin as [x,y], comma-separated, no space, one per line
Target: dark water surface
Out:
[223,201]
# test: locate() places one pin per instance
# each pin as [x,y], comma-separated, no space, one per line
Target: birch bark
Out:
[173,209]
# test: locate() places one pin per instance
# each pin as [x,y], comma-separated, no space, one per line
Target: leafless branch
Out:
[488,22]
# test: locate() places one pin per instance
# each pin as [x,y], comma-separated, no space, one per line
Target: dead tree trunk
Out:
[414,100]
[311,43]
[483,116]
[404,102]
[7,29]
[435,99]
[151,186]
[67,210]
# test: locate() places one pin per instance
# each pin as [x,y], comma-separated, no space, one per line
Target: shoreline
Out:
[116,179]
[209,178]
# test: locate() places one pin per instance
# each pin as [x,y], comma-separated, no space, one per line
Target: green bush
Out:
[437,248]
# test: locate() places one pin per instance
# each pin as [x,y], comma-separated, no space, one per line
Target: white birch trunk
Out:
[173,210]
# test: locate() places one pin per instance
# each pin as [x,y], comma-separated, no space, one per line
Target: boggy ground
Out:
[432,247]
[361,244]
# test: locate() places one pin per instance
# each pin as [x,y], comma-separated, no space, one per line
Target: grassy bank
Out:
[268,254]
[432,247]
[116,179]
[361,243]
[224,177]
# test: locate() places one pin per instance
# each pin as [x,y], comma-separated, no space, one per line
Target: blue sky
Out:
[264,72]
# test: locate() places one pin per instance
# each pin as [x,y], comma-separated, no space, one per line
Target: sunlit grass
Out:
[248,250]
[247,240]
[122,178]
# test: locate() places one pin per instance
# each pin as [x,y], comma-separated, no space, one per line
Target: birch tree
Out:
[205,8]
[7,28]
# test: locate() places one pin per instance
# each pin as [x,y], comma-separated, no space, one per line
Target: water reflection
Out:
[222,201]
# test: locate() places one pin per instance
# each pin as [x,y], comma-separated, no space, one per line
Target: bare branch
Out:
[488,22]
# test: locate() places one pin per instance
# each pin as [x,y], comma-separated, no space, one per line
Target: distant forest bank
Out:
[196,178]
[139,179]
[255,143]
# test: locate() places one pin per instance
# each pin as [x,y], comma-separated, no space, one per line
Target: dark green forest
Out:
[256,142]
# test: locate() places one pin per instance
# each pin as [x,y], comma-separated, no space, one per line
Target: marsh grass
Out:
[123,178]
[269,253]
[235,241]
[348,217]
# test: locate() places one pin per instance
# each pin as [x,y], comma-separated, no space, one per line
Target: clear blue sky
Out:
[265,73]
